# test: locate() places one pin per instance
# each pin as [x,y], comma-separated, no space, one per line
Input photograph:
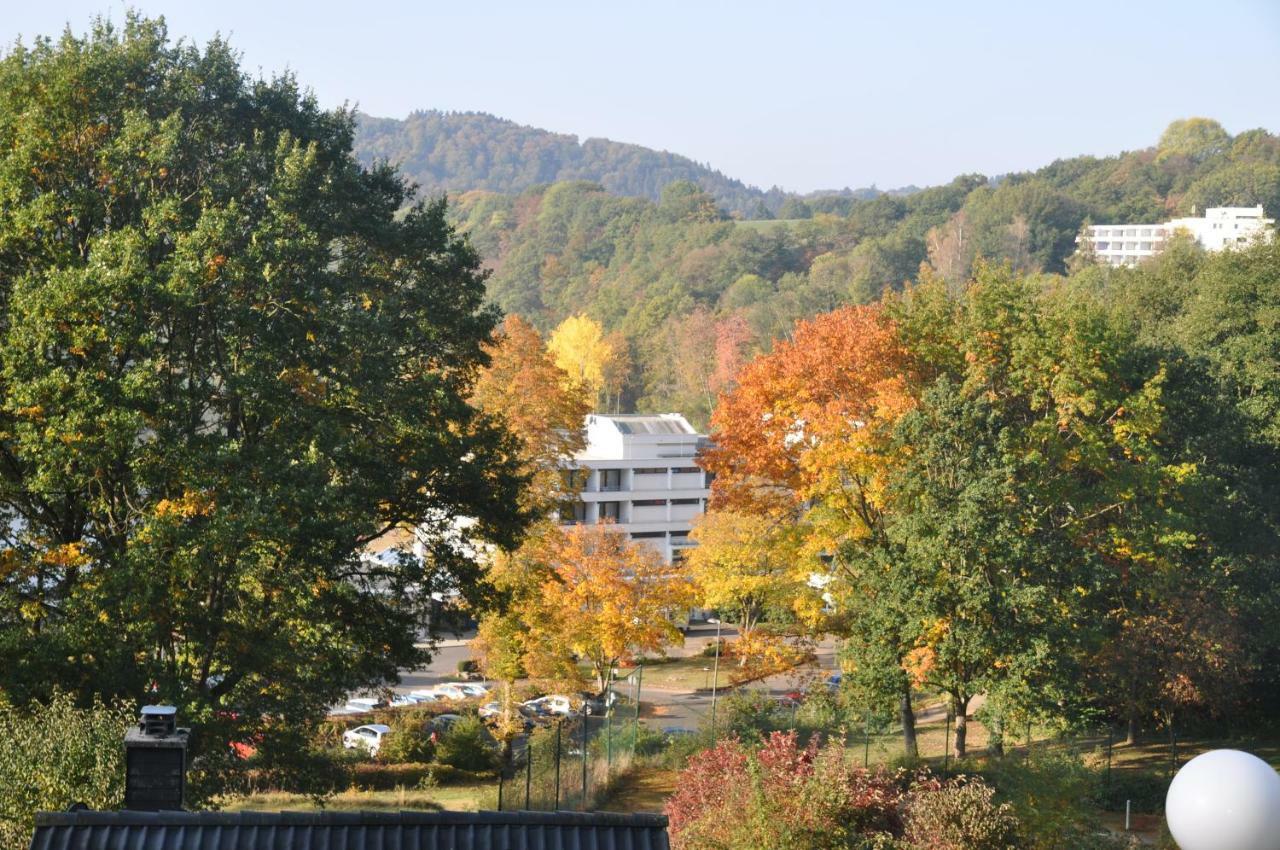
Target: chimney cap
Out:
[159,711]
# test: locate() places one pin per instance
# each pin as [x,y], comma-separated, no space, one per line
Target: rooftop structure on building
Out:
[1221,228]
[640,471]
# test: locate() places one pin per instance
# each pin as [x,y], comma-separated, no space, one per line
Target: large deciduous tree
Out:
[226,364]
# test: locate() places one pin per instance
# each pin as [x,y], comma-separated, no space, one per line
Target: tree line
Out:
[663,275]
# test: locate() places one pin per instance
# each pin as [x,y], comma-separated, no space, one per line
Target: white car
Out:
[425,696]
[369,737]
[360,704]
[450,691]
[404,700]
[551,704]
[471,689]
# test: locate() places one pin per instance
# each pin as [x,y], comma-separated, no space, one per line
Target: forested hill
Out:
[460,151]
[669,279]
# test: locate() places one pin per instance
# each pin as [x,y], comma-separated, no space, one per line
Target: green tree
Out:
[226,364]
[55,754]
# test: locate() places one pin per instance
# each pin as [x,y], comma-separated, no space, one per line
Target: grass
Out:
[683,674]
[458,798]
[642,789]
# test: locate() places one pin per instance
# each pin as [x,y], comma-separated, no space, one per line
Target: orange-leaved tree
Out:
[806,438]
[523,386]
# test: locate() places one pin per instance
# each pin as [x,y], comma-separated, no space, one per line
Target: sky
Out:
[802,95]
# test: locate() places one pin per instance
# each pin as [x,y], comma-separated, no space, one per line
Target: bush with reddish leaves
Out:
[782,796]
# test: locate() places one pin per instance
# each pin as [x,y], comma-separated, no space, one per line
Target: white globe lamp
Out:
[1225,800]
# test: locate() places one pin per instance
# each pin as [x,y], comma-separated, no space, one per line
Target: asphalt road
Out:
[680,709]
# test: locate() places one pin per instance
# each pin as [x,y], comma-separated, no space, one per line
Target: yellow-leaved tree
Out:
[579,347]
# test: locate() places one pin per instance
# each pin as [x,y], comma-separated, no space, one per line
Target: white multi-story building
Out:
[640,472]
[1220,228]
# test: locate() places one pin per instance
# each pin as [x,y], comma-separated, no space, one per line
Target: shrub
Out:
[56,754]
[467,745]
[372,776]
[409,741]
[781,796]
[1053,795]
[959,815]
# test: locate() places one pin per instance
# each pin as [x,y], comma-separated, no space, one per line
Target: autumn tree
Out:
[580,350]
[748,564]
[805,436]
[230,357]
[533,397]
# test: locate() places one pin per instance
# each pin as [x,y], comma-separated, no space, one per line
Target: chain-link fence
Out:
[569,762]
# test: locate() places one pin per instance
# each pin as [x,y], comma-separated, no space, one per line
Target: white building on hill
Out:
[1219,229]
[641,473]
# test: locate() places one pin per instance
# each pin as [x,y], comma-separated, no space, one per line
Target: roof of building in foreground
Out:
[349,830]
[647,423]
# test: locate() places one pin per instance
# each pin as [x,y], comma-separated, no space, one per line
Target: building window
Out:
[649,503]
[652,470]
[573,512]
[610,480]
[1131,232]
[679,537]
[1145,246]
[647,535]
[1101,246]
[679,470]
[684,501]
[610,510]
[1146,231]
[573,480]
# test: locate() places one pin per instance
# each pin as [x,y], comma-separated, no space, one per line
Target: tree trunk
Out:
[908,717]
[960,707]
[1131,734]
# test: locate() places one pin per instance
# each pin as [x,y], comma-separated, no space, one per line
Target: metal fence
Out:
[570,763]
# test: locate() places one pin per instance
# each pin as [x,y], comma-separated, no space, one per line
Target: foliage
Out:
[409,740]
[745,563]
[959,815]
[537,402]
[583,592]
[582,353]
[779,796]
[230,358]
[467,745]
[1054,794]
[55,754]
[655,276]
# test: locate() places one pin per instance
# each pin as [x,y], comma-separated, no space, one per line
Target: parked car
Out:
[450,691]
[470,689]
[368,737]
[361,704]
[443,722]
[425,695]
[493,710]
[834,680]
[552,704]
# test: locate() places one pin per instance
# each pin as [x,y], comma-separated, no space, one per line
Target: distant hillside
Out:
[671,277]
[461,151]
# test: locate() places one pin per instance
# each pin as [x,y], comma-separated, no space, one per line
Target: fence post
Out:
[608,730]
[946,743]
[556,806]
[715,682]
[501,775]
[866,737]
[1110,735]
[635,729]
[584,757]
[528,769]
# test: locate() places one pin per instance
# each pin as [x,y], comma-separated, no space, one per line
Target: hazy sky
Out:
[804,95]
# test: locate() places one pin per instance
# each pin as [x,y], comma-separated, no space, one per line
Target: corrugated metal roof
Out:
[86,830]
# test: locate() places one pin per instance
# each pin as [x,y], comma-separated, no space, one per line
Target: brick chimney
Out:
[155,756]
